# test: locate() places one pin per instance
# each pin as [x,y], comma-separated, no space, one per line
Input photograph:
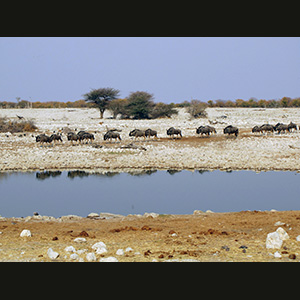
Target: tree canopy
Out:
[140,105]
[101,97]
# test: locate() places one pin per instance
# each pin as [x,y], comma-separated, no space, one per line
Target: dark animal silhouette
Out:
[43,138]
[55,137]
[149,132]
[231,130]
[171,131]
[87,136]
[266,127]
[72,136]
[292,126]
[83,135]
[207,130]
[255,129]
[137,133]
[282,127]
[109,135]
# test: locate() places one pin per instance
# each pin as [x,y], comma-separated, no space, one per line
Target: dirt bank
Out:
[237,236]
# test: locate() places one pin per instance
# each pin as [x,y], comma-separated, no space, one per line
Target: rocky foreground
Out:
[203,236]
[19,151]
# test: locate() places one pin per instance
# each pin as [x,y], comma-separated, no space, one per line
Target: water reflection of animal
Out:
[171,131]
[231,130]
[47,174]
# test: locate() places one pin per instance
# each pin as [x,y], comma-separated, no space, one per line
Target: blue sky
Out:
[173,69]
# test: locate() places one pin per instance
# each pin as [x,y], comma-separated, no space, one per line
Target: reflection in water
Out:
[172,171]
[47,174]
[167,192]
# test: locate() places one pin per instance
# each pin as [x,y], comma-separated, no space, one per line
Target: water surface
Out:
[165,192]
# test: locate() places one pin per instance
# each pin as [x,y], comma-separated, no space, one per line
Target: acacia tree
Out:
[101,98]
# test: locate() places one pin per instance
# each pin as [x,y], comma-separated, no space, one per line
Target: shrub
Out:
[162,110]
[197,109]
[16,126]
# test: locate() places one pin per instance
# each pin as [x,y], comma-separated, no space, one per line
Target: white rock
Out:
[128,249]
[198,212]
[81,251]
[80,240]
[277,254]
[90,257]
[273,241]
[70,249]
[52,254]
[74,256]
[282,234]
[108,259]
[98,245]
[93,215]
[120,252]
[25,232]
[278,223]
[101,250]
[298,238]
[153,215]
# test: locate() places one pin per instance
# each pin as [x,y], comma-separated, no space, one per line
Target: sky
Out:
[173,69]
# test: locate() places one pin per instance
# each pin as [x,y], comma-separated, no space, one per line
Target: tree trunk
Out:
[101,113]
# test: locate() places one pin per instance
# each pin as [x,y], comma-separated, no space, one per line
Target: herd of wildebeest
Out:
[82,136]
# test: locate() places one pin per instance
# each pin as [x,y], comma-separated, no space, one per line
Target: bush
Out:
[139,105]
[162,110]
[197,109]
[16,126]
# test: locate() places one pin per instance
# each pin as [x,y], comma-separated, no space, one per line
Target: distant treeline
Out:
[252,102]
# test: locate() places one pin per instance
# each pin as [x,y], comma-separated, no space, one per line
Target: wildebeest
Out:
[43,138]
[292,126]
[266,127]
[88,136]
[55,137]
[83,135]
[255,129]
[171,131]
[137,133]
[231,130]
[72,136]
[207,130]
[111,135]
[282,127]
[149,132]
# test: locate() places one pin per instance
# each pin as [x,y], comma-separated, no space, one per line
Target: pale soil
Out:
[247,151]
[203,237]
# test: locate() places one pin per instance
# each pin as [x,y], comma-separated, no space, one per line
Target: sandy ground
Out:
[211,237]
[247,151]
[238,236]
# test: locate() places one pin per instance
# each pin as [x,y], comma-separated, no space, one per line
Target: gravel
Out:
[248,151]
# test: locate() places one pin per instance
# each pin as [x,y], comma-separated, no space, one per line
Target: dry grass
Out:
[16,126]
